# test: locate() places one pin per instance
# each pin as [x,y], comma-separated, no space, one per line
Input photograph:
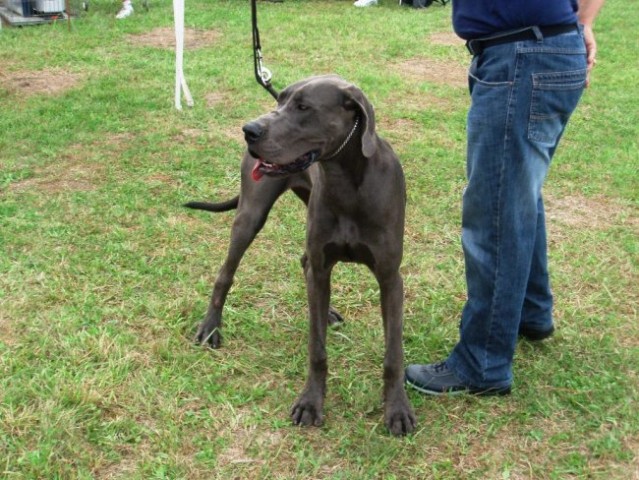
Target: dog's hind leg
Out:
[256,201]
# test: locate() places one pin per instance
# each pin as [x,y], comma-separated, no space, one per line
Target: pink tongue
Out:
[256,174]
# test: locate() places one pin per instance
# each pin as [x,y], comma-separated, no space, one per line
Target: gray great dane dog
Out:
[321,143]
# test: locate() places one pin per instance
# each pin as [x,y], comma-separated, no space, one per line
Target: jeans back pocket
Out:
[555,96]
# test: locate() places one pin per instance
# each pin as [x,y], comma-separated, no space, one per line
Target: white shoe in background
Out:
[126,10]
[365,3]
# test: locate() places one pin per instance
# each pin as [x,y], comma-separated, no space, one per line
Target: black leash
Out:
[262,74]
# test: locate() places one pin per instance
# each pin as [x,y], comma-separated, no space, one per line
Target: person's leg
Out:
[536,317]
[499,214]
[497,236]
[522,96]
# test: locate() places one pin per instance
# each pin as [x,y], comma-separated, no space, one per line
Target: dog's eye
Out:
[302,107]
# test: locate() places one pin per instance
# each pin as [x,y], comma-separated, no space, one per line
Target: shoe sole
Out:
[488,392]
[536,335]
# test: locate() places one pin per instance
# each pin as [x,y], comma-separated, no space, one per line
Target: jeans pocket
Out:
[554,97]
[490,71]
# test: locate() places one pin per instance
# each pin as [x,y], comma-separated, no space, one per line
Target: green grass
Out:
[104,277]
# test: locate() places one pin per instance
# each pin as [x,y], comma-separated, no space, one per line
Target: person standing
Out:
[531,63]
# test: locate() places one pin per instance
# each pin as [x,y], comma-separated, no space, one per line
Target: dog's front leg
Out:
[246,225]
[308,409]
[256,201]
[334,317]
[398,414]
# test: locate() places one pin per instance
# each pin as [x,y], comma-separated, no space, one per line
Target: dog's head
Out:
[314,120]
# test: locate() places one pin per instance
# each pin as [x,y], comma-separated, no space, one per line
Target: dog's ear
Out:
[283,95]
[355,98]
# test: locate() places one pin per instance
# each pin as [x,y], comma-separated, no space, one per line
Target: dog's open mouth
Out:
[262,167]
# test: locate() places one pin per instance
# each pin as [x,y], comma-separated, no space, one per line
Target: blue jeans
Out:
[522,95]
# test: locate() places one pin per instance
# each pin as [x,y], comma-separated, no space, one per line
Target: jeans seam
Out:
[507,134]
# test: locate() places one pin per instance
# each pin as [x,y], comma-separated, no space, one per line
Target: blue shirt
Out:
[481,18]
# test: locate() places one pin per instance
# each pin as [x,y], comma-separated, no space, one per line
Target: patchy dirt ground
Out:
[57,81]
[215,99]
[587,213]
[74,178]
[435,71]
[48,81]
[164,37]
[446,38]
[7,330]
[72,171]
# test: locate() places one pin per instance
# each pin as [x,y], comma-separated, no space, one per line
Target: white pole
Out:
[180,81]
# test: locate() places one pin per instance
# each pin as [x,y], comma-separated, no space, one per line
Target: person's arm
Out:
[588,10]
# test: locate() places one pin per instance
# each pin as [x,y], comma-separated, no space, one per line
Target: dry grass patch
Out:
[396,125]
[421,102]
[449,39]
[215,99]
[116,142]
[577,211]
[521,453]
[164,37]
[525,456]
[234,134]
[188,135]
[73,170]
[44,82]
[60,177]
[398,130]
[401,132]
[125,468]
[440,72]
[8,335]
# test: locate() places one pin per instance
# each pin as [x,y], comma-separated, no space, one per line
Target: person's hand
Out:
[591,50]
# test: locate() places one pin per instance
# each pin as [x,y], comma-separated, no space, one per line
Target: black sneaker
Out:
[535,335]
[438,379]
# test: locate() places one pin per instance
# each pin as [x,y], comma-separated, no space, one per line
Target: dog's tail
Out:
[215,207]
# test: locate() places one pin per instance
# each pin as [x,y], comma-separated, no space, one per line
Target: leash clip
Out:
[263,72]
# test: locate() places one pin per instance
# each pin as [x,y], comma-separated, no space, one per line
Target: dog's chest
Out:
[342,238]
[348,252]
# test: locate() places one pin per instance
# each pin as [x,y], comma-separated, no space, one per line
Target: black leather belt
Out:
[477,46]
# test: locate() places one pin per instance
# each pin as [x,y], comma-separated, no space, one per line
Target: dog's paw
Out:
[307,412]
[334,318]
[400,419]
[209,336]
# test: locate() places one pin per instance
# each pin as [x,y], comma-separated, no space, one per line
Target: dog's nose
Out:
[252,132]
